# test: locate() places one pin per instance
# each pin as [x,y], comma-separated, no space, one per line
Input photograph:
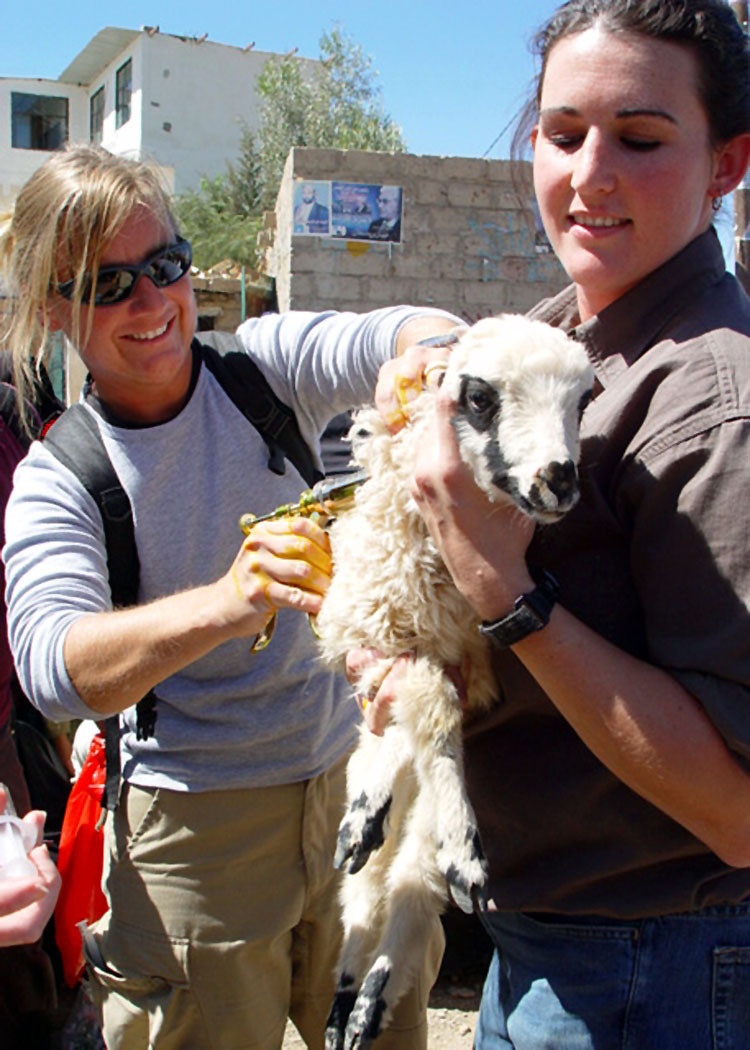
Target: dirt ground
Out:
[452,1013]
[454,1002]
[451,1017]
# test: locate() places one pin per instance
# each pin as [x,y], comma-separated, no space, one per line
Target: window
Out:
[38,121]
[96,117]
[124,86]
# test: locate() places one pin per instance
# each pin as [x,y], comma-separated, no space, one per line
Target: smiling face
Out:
[624,169]
[137,351]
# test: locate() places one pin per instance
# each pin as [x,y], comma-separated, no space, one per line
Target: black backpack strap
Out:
[76,441]
[242,380]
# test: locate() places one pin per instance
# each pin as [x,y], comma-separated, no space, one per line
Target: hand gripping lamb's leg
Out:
[429,708]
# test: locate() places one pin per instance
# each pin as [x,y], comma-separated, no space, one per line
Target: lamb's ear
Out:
[451,381]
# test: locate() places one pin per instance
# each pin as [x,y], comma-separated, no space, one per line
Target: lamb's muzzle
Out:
[554,491]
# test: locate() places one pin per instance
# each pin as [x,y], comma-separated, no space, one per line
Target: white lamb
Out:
[409,836]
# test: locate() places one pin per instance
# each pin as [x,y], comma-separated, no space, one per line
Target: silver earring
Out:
[716,204]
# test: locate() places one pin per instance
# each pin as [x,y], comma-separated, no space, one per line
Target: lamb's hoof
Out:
[466,877]
[470,901]
[343,1003]
[366,1019]
[334,1038]
[360,833]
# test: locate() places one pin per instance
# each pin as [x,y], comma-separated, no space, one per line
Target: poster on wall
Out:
[312,208]
[366,212]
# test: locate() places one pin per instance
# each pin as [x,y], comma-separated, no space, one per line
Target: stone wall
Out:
[467,245]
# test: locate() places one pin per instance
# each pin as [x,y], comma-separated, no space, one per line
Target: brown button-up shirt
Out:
[656,558]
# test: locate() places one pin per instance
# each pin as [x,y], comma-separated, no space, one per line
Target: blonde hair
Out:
[63,218]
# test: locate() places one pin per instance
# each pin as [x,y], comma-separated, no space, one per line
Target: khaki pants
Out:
[225,921]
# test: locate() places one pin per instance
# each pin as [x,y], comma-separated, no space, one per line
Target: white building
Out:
[181,101]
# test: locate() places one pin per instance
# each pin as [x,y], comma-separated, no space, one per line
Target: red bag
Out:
[80,862]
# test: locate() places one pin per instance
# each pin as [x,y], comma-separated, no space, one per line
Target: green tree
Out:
[218,229]
[333,103]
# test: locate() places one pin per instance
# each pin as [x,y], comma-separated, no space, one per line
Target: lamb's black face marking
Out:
[478,406]
[478,403]
[498,467]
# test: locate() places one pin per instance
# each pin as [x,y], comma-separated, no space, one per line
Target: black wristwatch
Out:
[531,612]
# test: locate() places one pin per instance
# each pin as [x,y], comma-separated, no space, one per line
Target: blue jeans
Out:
[677,982]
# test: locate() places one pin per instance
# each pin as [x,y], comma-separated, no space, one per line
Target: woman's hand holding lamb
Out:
[376,699]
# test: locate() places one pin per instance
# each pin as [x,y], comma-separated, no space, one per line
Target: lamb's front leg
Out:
[430,710]
[373,769]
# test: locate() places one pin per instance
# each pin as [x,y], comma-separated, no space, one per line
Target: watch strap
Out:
[531,612]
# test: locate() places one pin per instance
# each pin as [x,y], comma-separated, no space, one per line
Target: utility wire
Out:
[497,138]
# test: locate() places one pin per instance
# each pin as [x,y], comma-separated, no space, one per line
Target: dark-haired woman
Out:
[612,782]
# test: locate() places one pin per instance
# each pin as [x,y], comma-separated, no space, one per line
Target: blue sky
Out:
[452,74]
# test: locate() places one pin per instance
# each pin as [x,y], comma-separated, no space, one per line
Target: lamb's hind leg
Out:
[373,768]
[414,895]
[363,907]
[430,708]
[361,900]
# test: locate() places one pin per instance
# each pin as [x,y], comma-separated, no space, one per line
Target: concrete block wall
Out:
[467,244]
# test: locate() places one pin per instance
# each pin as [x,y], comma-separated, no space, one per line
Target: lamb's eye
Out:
[478,402]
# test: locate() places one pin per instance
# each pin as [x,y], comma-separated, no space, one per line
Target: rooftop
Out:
[97,54]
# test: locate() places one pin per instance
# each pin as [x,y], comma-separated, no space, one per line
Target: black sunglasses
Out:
[115,283]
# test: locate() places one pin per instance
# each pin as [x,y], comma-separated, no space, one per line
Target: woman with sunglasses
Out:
[223,918]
